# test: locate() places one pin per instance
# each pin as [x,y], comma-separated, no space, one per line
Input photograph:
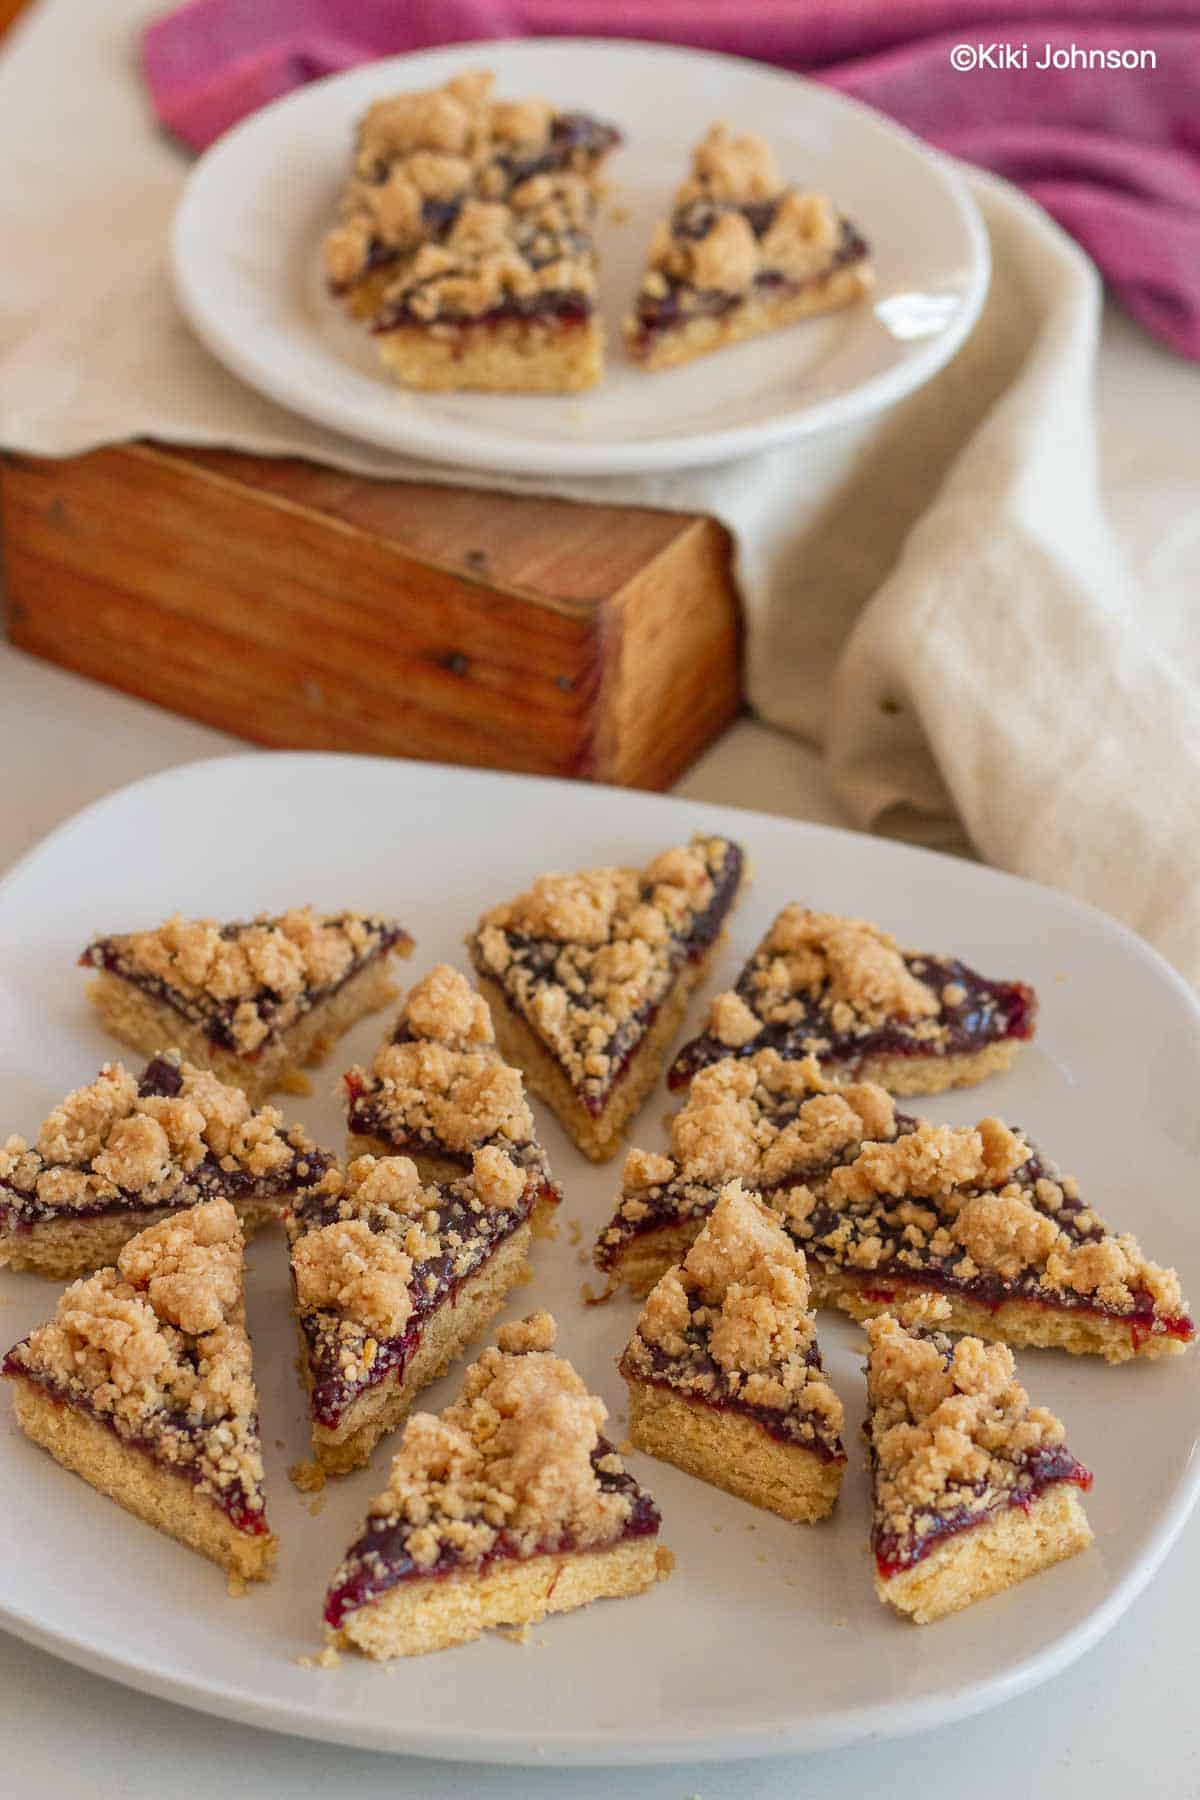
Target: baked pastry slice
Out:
[507,1506]
[252,1002]
[887,1208]
[841,990]
[392,1278]
[724,1371]
[588,978]
[973,1488]
[125,1152]
[465,239]
[142,1383]
[771,1123]
[438,1091]
[742,252]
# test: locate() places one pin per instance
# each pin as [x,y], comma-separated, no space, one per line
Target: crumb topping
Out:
[819,984]
[157,1347]
[732,1325]
[867,1190]
[120,1142]
[513,1456]
[476,202]
[951,1433]
[444,1008]
[374,1249]
[735,221]
[586,957]
[247,983]
[440,1083]
[536,1331]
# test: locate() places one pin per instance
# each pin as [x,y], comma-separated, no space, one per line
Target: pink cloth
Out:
[1112,154]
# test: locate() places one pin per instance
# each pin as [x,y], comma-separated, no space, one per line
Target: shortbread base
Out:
[732,1451]
[599,1137]
[702,333]
[525,356]
[66,1247]
[988,1558]
[1023,1324]
[434,1613]
[445,1334]
[135,1481]
[930,1074]
[149,1025]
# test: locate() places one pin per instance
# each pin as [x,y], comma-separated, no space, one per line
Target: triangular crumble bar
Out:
[253,1002]
[393,1276]
[973,1488]
[842,990]
[507,1506]
[741,253]
[142,1383]
[588,978]
[885,1207]
[724,1370]
[465,239]
[437,1091]
[118,1155]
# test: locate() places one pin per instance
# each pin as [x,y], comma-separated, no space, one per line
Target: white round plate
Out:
[768,1637]
[247,259]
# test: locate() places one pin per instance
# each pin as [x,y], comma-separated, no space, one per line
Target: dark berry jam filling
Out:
[563,310]
[989,1012]
[244,1508]
[1036,1471]
[380,1560]
[215,1017]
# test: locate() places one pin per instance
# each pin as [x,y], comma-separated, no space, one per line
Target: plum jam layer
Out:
[243,1507]
[215,1017]
[989,1012]
[380,1561]
[1035,1472]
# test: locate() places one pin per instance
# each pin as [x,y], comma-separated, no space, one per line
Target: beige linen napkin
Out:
[935,597]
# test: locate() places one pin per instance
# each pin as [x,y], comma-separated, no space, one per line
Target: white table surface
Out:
[1121,1722]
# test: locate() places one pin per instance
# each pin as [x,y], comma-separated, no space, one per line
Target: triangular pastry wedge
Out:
[741,253]
[588,977]
[724,1369]
[973,1488]
[143,1384]
[126,1151]
[843,991]
[886,1207]
[508,1505]
[255,1002]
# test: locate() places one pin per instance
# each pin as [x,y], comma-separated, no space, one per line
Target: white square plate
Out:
[769,1636]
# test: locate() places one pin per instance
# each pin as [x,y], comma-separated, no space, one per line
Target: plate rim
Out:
[639,1746]
[492,450]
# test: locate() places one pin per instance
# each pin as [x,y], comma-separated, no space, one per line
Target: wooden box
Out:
[308,609]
